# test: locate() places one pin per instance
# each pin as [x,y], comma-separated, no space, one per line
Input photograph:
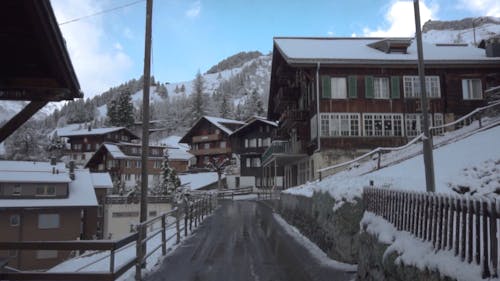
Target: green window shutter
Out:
[326,83]
[353,87]
[369,87]
[395,91]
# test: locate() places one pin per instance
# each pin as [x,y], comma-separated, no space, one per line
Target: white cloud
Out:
[400,19]
[482,7]
[330,33]
[99,65]
[194,10]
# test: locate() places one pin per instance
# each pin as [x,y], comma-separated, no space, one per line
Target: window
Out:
[14,220]
[339,88]
[252,143]
[124,214]
[413,124]
[137,164]
[47,190]
[438,121]
[222,144]
[89,147]
[259,142]
[246,143]
[134,150]
[48,221]
[46,254]
[339,124]
[472,89]
[266,142]
[256,162]
[100,211]
[152,213]
[157,164]
[127,164]
[381,87]
[412,86]
[77,146]
[83,156]
[248,162]
[111,163]
[206,145]
[127,176]
[378,124]
[16,191]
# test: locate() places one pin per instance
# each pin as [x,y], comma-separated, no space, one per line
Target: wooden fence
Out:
[466,225]
[186,215]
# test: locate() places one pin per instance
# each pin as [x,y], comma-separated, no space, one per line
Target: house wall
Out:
[206,142]
[28,230]
[28,190]
[119,217]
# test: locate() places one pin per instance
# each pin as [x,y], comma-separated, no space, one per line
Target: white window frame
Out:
[49,221]
[381,88]
[413,124]
[411,86]
[16,190]
[246,143]
[468,92]
[15,220]
[45,190]
[391,125]
[338,87]
[252,143]
[340,124]
[248,162]
[223,144]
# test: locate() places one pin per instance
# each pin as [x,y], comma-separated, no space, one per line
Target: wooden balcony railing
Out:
[205,138]
[210,151]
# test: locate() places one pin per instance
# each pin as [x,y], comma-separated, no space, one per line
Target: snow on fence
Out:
[193,212]
[467,120]
[466,225]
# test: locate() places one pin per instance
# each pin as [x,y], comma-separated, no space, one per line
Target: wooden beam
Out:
[33,94]
[20,118]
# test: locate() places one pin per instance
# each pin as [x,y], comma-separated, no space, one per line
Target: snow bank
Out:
[414,252]
[473,162]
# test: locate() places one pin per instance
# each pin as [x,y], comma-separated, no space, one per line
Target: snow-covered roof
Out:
[115,151]
[101,180]
[179,154]
[353,50]
[256,119]
[219,122]
[81,194]
[71,132]
[173,141]
[29,171]
[199,180]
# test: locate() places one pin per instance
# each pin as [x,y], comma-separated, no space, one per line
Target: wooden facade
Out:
[249,142]
[209,138]
[355,104]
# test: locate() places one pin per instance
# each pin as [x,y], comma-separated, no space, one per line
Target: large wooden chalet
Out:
[209,137]
[123,162]
[335,98]
[249,142]
[83,143]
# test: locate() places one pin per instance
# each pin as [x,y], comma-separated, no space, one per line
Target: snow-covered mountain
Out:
[11,108]
[461,31]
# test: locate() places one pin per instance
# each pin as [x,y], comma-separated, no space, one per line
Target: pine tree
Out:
[169,181]
[113,114]
[198,109]
[225,107]
[126,110]
[177,89]
[183,88]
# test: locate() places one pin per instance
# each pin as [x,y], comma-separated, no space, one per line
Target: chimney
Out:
[89,128]
[53,161]
[72,170]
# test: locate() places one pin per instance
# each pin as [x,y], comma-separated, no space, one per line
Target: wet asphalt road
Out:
[242,241]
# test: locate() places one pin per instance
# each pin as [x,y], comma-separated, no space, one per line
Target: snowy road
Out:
[243,241]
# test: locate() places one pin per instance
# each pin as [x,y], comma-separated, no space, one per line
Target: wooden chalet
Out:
[35,64]
[336,98]
[249,142]
[123,162]
[41,201]
[209,137]
[83,143]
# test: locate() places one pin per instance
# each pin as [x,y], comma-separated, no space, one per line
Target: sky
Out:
[193,35]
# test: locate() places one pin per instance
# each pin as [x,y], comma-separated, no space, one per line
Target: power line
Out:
[102,12]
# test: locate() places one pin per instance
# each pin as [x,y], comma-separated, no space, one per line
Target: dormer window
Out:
[47,190]
[392,45]
[16,191]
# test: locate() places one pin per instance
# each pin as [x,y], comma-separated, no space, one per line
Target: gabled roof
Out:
[254,120]
[33,172]
[69,132]
[357,50]
[80,194]
[221,123]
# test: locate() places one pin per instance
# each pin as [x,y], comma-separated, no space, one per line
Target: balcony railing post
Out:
[112,261]
[177,226]
[139,253]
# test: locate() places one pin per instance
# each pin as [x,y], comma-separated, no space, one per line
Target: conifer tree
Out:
[169,179]
[113,114]
[198,109]
[125,110]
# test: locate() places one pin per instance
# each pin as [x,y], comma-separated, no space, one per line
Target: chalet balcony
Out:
[210,151]
[205,138]
[283,152]
[286,98]
[292,116]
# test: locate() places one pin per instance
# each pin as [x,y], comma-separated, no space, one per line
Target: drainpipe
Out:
[318,125]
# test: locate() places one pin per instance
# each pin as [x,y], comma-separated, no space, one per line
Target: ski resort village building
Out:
[123,162]
[336,98]
[83,143]
[249,142]
[42,201]
[209,137]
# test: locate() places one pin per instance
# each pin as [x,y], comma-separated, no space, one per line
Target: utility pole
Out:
[427,140]
[145,113]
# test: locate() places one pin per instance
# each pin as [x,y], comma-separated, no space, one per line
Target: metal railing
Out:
[467,226]
[476,115]
[191,213]
[230,193]
[268,194]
